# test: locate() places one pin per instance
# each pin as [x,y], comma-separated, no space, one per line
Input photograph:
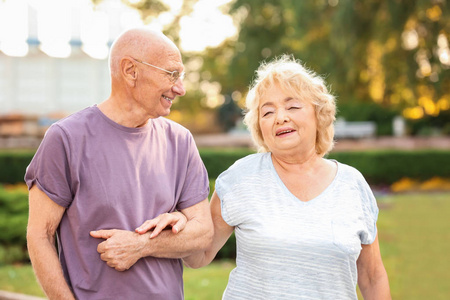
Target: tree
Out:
[393,52]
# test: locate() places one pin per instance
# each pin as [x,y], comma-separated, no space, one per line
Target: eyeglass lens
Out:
[174,76]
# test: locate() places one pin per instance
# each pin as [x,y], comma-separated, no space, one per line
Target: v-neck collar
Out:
[268,158]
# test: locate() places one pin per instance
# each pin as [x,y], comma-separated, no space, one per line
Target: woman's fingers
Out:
[180,223]
[176,219]
[147,225]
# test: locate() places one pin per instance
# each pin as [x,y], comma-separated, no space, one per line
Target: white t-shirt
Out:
[289,249]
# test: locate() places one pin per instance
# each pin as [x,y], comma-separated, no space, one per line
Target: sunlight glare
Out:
[410,39]
[94,33]
[54,30]
[60,24]
[206,27]
[443,50]
[14,27]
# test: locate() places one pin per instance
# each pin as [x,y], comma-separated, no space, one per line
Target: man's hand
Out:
[122,248]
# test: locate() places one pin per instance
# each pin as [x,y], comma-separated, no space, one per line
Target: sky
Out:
[54,24]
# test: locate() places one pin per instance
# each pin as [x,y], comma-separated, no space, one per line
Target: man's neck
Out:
[122,114]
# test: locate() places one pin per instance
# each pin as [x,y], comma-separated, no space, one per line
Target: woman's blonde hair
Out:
[292,77]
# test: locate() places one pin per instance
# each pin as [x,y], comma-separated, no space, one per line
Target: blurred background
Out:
[387,62]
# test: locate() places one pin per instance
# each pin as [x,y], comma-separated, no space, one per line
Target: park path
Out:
[15,296]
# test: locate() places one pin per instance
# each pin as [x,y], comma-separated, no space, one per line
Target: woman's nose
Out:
[282,117]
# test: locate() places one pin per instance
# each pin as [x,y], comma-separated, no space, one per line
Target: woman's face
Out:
[286,122]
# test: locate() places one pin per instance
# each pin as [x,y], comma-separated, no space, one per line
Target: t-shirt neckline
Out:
[288,192]
[144,128]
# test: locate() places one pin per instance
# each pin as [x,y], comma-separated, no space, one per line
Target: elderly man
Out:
[101,172]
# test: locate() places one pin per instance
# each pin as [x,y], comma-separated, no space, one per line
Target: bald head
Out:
[140,43]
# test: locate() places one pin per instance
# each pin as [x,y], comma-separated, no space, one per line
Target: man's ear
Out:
[128,70]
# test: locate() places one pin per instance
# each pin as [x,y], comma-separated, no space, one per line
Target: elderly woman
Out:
[305,226]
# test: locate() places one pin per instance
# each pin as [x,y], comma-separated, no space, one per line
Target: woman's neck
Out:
[300,161]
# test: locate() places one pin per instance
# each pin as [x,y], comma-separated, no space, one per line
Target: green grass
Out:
[414,233]
[19,279]
[201,284]
[207,283]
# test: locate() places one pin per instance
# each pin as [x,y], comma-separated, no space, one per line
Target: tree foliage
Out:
[390,53]
[393,52]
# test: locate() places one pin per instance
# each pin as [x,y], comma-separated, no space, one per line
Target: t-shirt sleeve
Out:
[49,169]
[224,190]
[370,211]
[232,187]
[196,184]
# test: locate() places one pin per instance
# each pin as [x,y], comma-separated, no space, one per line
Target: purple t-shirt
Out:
[108,176]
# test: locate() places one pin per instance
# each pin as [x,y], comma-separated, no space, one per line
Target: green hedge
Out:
[378,167]
[388,166]
[13,224]
[218,160]
[13,165]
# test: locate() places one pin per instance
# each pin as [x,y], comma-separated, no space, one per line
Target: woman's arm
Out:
[222,231]
[372,277]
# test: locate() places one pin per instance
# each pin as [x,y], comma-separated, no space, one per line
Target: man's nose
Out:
[178,88]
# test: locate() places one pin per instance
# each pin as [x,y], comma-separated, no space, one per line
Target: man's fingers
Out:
[103,256]
[101,249]
[102,234]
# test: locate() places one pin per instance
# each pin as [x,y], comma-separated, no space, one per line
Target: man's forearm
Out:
[48,269]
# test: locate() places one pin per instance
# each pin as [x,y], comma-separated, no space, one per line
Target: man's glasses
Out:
[174,75]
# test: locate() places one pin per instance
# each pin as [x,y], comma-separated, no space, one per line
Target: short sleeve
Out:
[49,168]
[238,185]
[221,188]
[196,184]
[370,211]
[225,189]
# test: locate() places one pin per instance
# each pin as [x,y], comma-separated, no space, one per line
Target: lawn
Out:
[414,233]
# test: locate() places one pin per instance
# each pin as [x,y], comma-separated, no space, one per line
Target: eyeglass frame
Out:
[173,77]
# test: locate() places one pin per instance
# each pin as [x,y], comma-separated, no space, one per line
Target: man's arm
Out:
[123,248]
[43,220]
[372,277]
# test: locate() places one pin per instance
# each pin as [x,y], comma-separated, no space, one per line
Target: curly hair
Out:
[292,77]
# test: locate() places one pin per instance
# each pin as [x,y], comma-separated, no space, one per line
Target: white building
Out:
[38,84]
[53,54]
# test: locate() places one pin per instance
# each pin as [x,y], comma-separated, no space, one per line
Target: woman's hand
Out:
[175,219]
